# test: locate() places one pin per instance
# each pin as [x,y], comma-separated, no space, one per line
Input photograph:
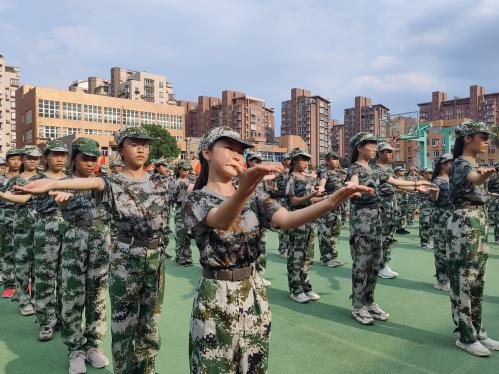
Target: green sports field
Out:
[318,337]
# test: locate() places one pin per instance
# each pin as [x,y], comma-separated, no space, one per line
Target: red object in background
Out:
[100,161]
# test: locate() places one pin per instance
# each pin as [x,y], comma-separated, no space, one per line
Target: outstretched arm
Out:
[44,185]
[289,220]
[14,198]
[480,176]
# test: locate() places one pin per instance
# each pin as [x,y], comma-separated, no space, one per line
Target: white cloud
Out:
[384,62]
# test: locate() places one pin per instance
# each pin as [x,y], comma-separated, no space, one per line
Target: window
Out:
[130,117]
[13,104]
[147,118]
[28,117]
[492,151]
[436,153]
[163,120]
[176,122]
[28,136]
[48,132]
[48,108]
[70,131]
[13,115]
[434,142]
[71,111]
[12,93]
[14,82]
[112,115]
[92,113]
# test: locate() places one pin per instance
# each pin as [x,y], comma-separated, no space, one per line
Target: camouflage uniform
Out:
[365,237]
[24,224]
[388,210]
[412,202]
[7,218]
[278,192]
[493,204]
[468,251]
[183,254]
[85,262]
[329,225]
[442,211]
[138,214]
[301,238]
[401,199]
[425,222]
[230,321]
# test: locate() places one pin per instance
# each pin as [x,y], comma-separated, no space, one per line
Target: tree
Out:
[164,145]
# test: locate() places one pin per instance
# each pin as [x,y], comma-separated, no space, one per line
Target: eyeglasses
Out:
[136,145]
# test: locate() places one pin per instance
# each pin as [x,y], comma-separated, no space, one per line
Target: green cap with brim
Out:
[444,158]
[116,163]
[383,146]
[398,168]
[86,146]
[362,137]
[331,155]
[55,146]
[134,132]
[186,165]
[295,152]
[31,150]
[426,170]
[254,155]
[221,132]
[14,152]
[472,127]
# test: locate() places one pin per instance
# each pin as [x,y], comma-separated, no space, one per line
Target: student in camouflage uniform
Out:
[231,320]
[401,199]
[493,204]
[442,210]
[388,206]
[162,167]
[412,198]
[116,166]
[425,209]
[331,179]
[135,202]
[24,223]
[366,227]
[301,193]
[181,187]
[7,214]
[467,232]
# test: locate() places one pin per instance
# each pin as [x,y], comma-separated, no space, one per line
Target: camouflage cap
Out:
[40,168]
[2,160]
[444,158]
[331,155]
[252,155]
[362,137]
[426,170]
[398,168]
[383,146]
[285,156]
[161,161]
[86,146]
[31,150]
[221,132]
[295,152]
[135,132]
[472,127]
[14,152]
[186,165]
[55,146]
[104,168]
[117,163]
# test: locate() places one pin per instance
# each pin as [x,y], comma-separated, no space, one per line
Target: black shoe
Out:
[399,231]
[168,255]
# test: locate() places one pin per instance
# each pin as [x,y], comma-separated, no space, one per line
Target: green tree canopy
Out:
[164,145]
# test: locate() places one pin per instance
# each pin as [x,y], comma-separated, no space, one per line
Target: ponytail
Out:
[457,150]
[203,174]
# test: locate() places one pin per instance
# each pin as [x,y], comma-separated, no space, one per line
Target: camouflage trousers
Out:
[261,261]
[183,251]
[388,210]
[402,210]
[24,253]
[466,265]
[7,267]
[440,218]
[425,224]
[230,327]
[283,242]
[412,207]
[48,241]
[328,230]
[365,248]
[300,258]
[136,289]
[84,273]
[493,212]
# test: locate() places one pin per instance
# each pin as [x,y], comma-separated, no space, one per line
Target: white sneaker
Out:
[490,344]
[377,313]
[428,246]
[476,348]
[392,271]
[266,283]
[27,310]
[77,362]
[300,298]
[96,358]
[441,286]
[386,273]
[313,296]
[362,315]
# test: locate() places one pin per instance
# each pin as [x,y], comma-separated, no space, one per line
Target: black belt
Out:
[232,275]
[367,206]
[88,222]
[471,206]
[137,242]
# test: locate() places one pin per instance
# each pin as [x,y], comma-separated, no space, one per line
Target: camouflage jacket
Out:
[367,177]
[335,179]
[384,173]
[82,207]
[237,247]
[299,187]
[463,192]
[278,189]
[136,208]
[4,181]
[179,190]
[443,201]
[20,181]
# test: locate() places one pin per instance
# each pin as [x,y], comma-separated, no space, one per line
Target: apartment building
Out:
[9,82]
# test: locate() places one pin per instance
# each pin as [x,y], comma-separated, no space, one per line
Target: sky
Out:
[396,52]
